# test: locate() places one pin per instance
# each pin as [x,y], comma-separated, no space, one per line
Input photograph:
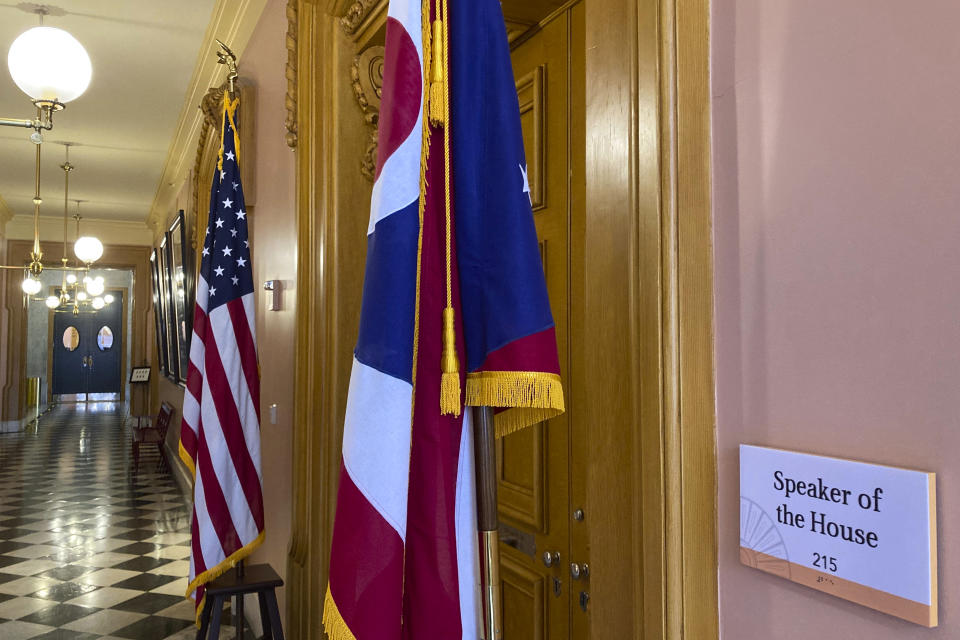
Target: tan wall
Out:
[836,146]
[274,258]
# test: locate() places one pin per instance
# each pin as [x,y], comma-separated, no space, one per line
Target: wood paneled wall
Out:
[114,256]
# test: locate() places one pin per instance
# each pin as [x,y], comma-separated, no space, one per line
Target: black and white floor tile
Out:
[89,546]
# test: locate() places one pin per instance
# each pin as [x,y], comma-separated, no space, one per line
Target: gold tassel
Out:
[438,83]
[450,367]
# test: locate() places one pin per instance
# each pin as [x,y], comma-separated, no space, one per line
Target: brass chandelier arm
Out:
[22,267]
[43,121]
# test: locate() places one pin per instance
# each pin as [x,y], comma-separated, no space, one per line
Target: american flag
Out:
[220,436]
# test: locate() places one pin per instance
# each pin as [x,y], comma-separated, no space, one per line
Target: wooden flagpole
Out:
[484,438]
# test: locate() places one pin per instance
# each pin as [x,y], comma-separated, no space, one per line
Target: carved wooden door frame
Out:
[649,263]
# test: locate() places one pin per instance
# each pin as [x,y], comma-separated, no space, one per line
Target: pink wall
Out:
[837,201]
[275,258]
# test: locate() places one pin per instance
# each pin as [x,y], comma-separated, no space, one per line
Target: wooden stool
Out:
[258,578]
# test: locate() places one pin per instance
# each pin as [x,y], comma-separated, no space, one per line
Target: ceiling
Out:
[143,55]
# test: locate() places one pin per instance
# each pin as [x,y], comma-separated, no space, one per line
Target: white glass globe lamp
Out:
[88,249]
[108,298]
[71,279]
[97,303]
[81,295]
[52,301]
[95,287]
[49,65]
[31,286]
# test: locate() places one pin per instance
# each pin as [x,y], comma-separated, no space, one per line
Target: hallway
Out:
[88,548]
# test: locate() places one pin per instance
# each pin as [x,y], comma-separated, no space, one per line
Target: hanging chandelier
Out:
[71,293]
[52,68]
[74,292]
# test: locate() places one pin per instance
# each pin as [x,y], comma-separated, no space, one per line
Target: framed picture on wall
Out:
[171,370]
[158,313]
[181,293]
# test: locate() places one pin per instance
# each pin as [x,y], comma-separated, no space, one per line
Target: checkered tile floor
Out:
[90,548]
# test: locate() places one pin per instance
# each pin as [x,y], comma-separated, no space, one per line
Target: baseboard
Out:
[180,472]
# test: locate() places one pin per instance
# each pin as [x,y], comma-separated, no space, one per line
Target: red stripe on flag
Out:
[222,394]
[197,556]
[432,598]
[217,507]
[198,564]
[402,91]
[247,347]
[188,440]
[537,352]
[366,566]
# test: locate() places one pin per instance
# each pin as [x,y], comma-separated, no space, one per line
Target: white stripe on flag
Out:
[226,474]
[376,441]
[468,549]
[221,326]
[398,184]
[210,546]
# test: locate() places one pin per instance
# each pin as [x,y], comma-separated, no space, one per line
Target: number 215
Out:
[827,563]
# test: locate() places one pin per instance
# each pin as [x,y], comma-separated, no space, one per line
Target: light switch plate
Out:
[273,289]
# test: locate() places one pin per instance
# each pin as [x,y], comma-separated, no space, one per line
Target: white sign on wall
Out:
[863,532]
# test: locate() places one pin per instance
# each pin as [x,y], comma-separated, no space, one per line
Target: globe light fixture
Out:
[52,67]
[108,298]
[87,249]
[31,286]
[98,303]
[71,279]
[95,287]
[52,302]
[81,295]
[49,65]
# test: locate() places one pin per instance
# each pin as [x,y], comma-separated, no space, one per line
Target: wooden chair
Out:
[155,433]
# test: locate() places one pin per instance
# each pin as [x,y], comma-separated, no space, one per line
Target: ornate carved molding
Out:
[366,74]
[210,107]
[291,98]
[355,15]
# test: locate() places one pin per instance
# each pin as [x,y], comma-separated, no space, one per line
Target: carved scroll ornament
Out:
[353,18]
[291,97]
[367,76]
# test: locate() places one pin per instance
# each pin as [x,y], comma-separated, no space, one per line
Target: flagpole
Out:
[484,438]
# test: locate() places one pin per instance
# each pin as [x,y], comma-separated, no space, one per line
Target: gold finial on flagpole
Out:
[227,57]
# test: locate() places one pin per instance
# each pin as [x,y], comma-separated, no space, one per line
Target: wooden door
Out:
[539,474]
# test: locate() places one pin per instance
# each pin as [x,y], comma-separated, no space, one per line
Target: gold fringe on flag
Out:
[333,623]
[529,397]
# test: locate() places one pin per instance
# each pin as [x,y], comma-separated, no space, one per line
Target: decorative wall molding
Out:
[5,214]
[357,12]
[233,22]
[366,74]
[209,108]
[110,232]
[291,97]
